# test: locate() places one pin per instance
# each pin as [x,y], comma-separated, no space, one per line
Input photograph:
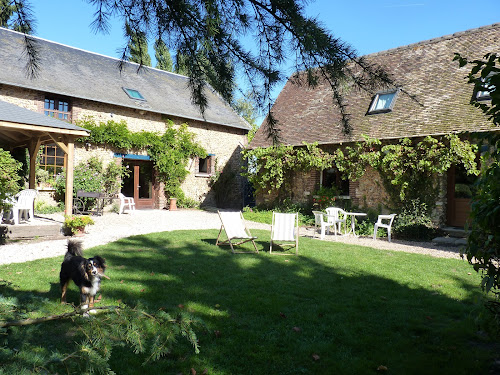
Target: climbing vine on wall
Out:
[275,167]
[170,151]
[408,167]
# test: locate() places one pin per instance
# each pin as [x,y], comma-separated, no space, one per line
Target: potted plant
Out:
[76,224]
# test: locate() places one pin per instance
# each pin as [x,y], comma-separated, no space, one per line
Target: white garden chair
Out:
[126,203]
[285,231]
[235,229]
[23,207]
[384,221]
[336,216]
[319,221]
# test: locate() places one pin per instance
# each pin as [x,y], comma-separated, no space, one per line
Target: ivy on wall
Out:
[170,152]
[408,167]
[275,167]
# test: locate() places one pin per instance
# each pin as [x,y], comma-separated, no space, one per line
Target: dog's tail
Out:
[74,249]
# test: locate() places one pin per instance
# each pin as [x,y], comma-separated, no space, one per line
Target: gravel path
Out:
[111,227]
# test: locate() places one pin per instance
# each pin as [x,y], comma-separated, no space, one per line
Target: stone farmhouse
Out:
[437,103]
[74,85]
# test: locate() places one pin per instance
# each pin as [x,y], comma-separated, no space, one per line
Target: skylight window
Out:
[383,102]
[134,94]
[485,84]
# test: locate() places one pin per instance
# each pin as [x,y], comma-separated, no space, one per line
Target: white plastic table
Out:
[353,220]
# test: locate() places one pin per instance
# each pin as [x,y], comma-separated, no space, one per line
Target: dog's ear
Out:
[101,261]
[83,270]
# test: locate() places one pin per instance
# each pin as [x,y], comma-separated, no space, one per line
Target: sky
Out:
[368,26]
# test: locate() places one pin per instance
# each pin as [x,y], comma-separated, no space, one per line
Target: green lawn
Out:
[335,309]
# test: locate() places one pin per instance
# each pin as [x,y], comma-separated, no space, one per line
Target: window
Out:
[206,165]
[134,94]
[383,102]
[52,159]
[57,108]
[332,178]
[485,83]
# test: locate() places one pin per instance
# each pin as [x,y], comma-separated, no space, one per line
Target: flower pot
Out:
[80,231]
[173,204]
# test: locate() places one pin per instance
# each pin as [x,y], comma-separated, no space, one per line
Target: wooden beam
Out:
[59,143]
[34,147]
[44,129]
[70,156]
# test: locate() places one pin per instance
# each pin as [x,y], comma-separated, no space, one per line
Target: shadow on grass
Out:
[333,309]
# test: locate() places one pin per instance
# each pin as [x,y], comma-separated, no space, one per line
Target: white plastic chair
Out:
[236,231]
[126,203]
[381,224]
[319,221]
[23,207]
[336,216]
[285,231]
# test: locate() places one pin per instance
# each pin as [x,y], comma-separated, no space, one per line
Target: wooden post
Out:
[70,155]
[33,148]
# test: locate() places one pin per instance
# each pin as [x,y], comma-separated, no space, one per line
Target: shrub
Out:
[91,176]
[42,207]
[9,178]
[414,223]
[186,202]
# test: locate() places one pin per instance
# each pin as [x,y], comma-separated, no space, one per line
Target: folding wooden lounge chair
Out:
[236,231]
[285,231]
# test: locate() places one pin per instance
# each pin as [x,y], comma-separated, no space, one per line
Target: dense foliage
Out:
[483,244]
[274,168]
[170,151]
[9,177]
[408,168]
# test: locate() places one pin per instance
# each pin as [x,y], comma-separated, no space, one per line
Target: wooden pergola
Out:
[20,127]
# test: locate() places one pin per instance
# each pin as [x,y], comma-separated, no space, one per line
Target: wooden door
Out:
[139,184]
[459,193]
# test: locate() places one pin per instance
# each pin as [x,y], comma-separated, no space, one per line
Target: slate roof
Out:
[426,70]
[72,72]
[15,114]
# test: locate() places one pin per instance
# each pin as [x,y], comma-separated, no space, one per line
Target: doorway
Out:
[140,182]
[460,189]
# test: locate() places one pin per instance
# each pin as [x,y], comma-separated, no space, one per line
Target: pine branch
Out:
[25,322]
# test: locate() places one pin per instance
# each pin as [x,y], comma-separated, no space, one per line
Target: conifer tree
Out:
[163,57]
[137,46]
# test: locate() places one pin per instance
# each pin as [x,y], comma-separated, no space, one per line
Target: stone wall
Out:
[223,142]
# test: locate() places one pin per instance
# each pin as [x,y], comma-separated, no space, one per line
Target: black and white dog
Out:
[86,274]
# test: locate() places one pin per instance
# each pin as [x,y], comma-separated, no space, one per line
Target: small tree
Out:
[483,243]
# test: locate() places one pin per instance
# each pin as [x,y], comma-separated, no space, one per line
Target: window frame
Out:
[54,168]
[481,95]
[210,166]
[55,112]
[373,104]
[128,90]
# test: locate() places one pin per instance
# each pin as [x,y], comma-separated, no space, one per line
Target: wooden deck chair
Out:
[285,231]
[236,231]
